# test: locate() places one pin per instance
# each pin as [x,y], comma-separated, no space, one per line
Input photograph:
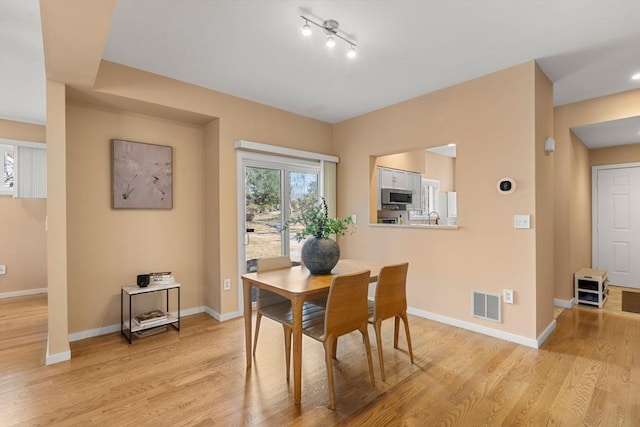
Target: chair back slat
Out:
[347,303]
[391,297]
[266,298]
[273,263]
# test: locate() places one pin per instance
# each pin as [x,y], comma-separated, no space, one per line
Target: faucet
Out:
[437,217]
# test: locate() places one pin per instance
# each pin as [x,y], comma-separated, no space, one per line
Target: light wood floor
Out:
[586,374]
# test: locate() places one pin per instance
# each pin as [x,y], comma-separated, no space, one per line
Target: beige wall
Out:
[212,207]
[628,153]
[409,161]
[24,244]
[572,199]
[58,331]
[442,168]
[21,131]
[544,212]
[108,247]
[492,121]
[22,226]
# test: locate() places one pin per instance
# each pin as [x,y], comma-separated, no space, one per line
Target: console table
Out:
[129,326]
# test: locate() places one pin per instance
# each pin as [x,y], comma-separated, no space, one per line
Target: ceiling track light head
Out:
[306,29]
[330,26]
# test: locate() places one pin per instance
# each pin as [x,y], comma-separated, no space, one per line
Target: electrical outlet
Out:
[226,285]
[508,296]
[3,269]
[354,218]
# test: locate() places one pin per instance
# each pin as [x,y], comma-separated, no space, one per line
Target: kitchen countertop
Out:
[422,226]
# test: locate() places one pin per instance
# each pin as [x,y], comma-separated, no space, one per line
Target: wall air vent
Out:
[486,306]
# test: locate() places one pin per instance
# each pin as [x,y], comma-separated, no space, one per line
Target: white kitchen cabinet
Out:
[396,179]
[385,178]
[402,180]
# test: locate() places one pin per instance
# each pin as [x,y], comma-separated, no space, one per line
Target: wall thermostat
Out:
[506,185]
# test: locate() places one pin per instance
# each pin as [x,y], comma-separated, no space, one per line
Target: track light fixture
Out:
[330,27]
[306,29]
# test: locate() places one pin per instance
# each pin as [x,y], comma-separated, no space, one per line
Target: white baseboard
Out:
[222,317]
[77,336]
[103,330]
[507,336]
[563,303]
[51,359]
[546,333]
[23,293]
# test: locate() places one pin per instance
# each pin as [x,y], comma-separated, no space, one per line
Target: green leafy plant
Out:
[317,223]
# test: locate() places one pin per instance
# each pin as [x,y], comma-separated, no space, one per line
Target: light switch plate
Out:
[3,269]
[522,221]
[508,296]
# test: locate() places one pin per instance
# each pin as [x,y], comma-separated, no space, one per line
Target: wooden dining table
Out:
[297,285]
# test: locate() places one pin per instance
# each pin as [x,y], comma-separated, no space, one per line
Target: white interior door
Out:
[617,224]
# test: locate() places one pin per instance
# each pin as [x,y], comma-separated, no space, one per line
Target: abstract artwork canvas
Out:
[142,175]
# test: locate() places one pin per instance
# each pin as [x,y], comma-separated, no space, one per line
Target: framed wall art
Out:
[142,175]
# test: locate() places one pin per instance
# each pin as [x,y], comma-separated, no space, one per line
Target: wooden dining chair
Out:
[270,304]
[346,311]
[390,301]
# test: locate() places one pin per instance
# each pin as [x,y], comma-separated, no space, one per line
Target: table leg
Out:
[296,304]
[246,287]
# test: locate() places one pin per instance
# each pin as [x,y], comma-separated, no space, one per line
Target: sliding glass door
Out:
[275,190]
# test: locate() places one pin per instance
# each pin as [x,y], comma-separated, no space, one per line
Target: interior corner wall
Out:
[544,212]
[491,119]
[107,247]
[57,314]
[24,239]
[212,250]
[628,153]
[572,200]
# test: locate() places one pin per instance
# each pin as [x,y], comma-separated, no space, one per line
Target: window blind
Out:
[31,172]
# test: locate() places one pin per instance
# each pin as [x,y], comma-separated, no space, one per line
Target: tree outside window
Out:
[8,162]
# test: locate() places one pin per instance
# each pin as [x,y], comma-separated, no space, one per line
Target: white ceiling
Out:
[22,77]
[254,49]
[610,134]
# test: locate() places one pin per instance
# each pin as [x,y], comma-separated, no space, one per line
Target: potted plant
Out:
[320,253]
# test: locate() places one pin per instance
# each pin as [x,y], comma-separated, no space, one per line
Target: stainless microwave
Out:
[392,196]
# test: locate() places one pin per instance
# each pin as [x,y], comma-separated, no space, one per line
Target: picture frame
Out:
[142,175]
